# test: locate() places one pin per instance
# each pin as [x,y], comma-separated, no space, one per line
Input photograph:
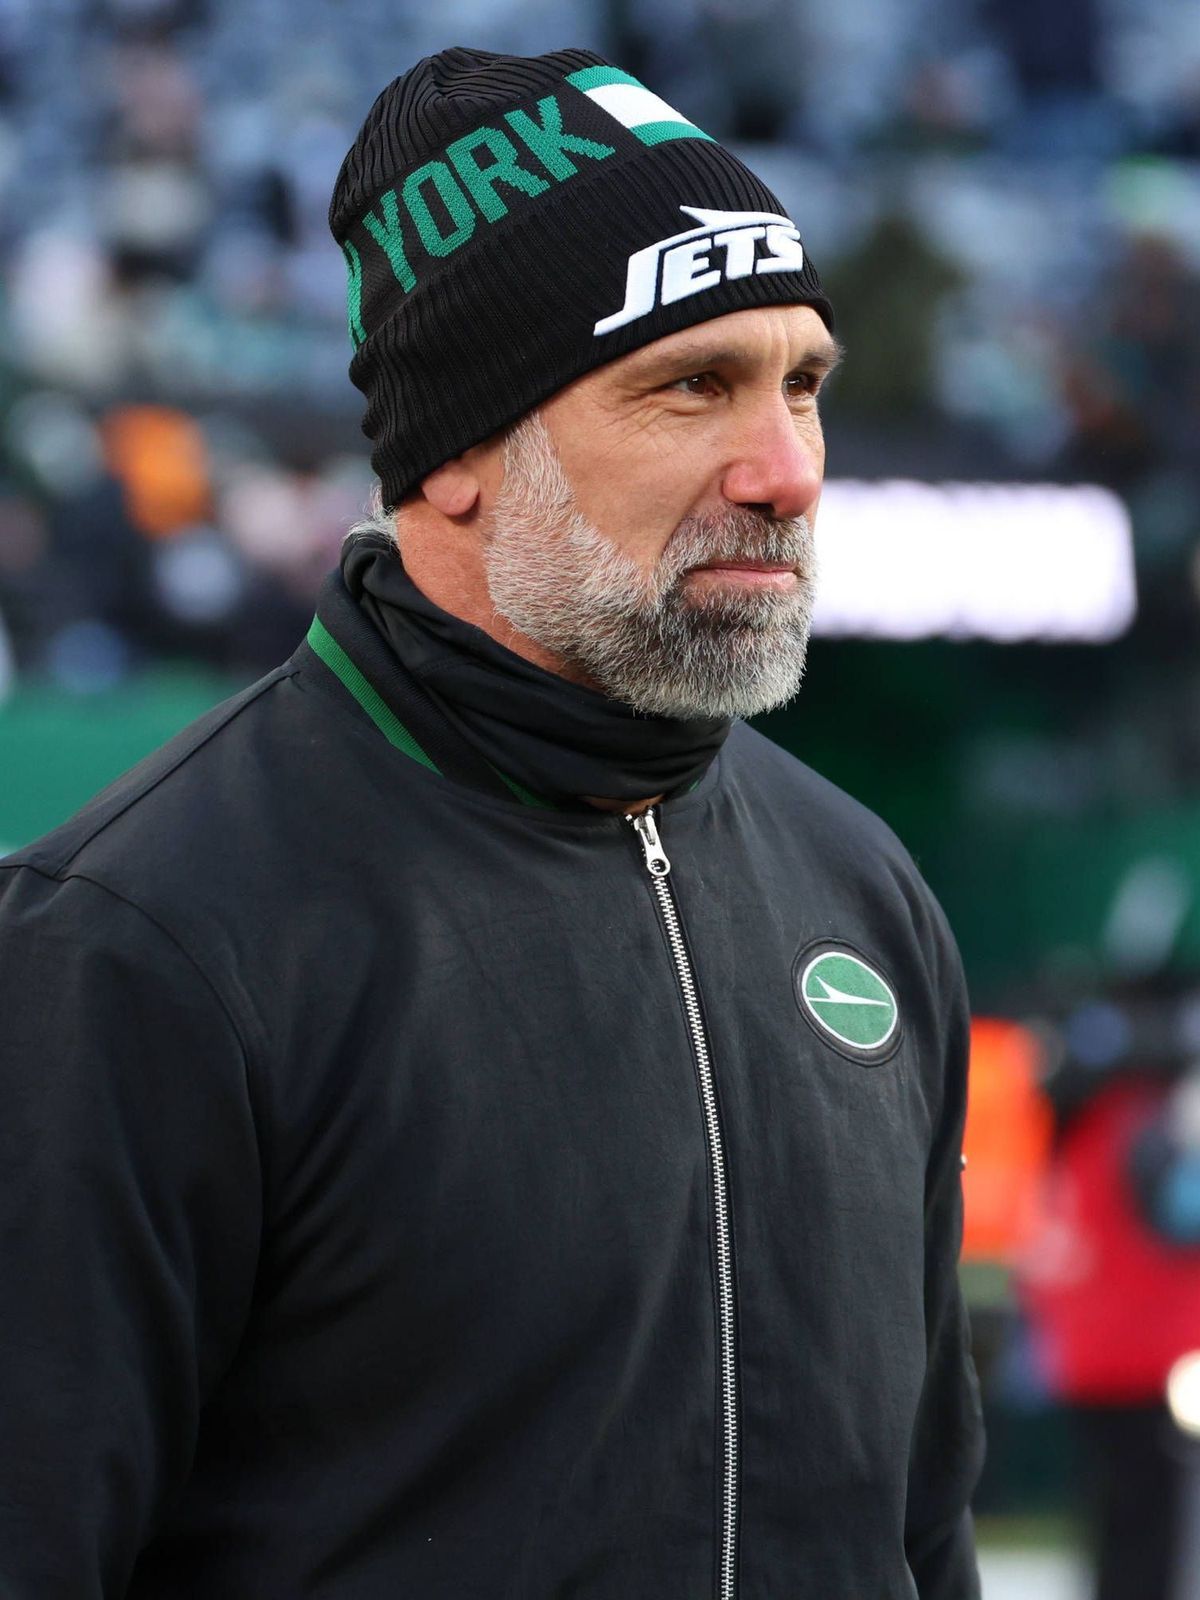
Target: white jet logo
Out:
[688,264]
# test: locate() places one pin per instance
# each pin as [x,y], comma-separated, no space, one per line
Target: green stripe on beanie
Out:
[511,222]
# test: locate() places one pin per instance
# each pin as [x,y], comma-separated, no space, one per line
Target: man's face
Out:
[654,525]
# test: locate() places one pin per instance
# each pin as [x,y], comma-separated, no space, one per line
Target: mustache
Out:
[738,534]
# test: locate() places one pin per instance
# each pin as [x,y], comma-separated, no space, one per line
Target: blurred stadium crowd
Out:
[1003,197]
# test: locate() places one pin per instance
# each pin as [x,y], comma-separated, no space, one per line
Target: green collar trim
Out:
[381,714]
[324,645]
[525,796]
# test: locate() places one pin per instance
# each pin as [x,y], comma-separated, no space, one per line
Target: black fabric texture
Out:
[356,1223]
[422,714]
[556,738]
[455,341]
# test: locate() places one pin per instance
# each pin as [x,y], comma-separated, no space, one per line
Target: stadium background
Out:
[1004,200]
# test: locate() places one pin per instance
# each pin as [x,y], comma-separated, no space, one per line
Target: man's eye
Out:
[700,383]
[801,384]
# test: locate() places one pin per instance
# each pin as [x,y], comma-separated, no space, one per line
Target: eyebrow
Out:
[697,355]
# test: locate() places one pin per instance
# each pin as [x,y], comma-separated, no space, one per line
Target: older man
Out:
[479,1121]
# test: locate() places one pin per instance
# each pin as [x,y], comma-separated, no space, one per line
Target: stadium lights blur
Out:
[1183,1393]
[999,561]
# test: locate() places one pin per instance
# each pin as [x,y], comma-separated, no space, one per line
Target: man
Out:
[479,1120]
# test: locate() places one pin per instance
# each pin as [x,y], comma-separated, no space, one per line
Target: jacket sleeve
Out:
[947,1448]
[130,1204]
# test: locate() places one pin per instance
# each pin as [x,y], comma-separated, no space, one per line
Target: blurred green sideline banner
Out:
[58,750]
[1099,898]
[1090,893]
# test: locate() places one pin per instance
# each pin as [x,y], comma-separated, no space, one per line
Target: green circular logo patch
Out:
[848,1001]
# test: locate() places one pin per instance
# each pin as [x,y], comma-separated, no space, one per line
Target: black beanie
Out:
[510,222]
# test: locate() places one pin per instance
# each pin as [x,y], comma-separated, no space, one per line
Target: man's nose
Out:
[777,462]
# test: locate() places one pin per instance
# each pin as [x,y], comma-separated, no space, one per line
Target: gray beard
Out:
[639,637]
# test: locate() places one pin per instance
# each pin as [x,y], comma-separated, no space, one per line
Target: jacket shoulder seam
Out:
[280,675]
[226,1009]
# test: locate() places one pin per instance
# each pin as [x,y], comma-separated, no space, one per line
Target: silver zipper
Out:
[658,866]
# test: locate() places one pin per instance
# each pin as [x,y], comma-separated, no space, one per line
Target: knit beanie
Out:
[511,222]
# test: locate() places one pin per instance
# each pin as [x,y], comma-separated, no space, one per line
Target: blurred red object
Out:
[1113,1303]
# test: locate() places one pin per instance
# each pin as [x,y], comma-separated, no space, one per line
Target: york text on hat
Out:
[439,201]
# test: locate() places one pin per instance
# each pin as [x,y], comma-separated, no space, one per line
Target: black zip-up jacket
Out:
[407,1193]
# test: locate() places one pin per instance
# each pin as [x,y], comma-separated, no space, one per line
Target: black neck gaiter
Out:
[554,737]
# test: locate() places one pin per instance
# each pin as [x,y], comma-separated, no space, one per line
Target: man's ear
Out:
[452,488]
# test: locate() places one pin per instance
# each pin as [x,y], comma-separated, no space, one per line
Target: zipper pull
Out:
[646,829]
